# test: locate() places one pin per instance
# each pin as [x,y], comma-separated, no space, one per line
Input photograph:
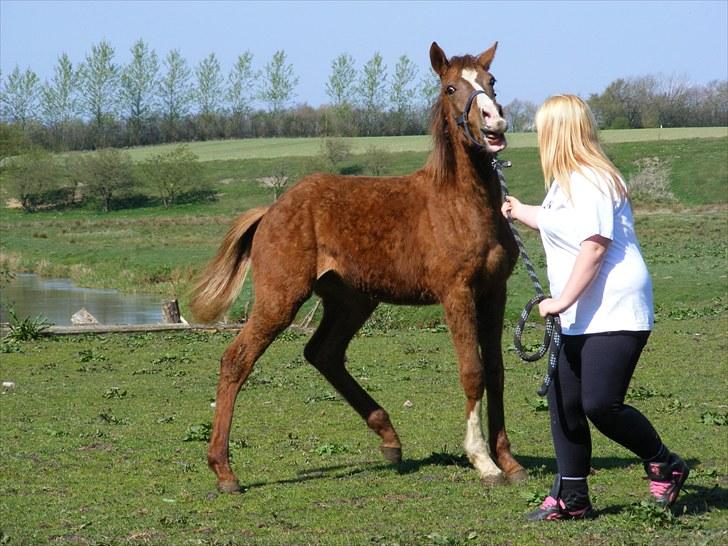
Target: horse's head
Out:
[467,93]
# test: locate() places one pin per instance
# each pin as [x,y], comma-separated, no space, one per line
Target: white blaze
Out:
[484,102]
[476,448]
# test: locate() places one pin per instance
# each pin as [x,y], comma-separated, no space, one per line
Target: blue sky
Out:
[544,47]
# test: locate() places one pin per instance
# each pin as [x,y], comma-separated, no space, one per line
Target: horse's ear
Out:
[438,59]
[485,58]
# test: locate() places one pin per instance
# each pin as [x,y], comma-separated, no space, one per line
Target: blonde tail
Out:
[222,279]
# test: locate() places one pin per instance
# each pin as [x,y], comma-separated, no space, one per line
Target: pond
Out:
[58,299]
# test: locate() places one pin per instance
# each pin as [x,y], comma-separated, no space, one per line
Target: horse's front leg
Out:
[460,313]
[490,329]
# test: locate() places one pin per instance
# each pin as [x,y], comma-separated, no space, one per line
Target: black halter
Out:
[462,119]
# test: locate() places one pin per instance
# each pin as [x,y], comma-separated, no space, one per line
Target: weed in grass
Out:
[107,417]
[27,328]
[642,392]
[714,418]
[198,433]
[114,393]
[327,449]
[90,355]
[651,515]
[675,405]
[539,404]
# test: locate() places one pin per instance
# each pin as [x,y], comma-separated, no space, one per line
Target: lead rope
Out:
[552,335]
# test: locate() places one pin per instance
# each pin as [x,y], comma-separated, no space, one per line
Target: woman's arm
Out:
[586,267]
[527,214]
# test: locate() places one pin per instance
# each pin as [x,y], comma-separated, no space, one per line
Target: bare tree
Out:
[138,87]
[520,115]
[279,82]
[277,181]
[19,96]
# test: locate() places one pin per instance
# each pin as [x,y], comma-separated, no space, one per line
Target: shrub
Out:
[173,174]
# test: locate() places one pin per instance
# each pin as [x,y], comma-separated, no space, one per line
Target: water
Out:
[58,299]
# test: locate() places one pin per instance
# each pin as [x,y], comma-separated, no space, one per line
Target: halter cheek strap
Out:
[462,119]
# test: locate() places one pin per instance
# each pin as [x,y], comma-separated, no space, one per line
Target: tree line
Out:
[100,103]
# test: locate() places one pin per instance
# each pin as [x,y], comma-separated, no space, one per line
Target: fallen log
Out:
[140,328]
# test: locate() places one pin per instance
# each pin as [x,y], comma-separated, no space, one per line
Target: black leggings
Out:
[594,372]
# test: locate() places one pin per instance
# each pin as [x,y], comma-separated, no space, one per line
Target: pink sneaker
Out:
[666,479]
[552,509]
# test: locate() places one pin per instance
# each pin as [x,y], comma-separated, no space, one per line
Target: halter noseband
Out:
[462,119]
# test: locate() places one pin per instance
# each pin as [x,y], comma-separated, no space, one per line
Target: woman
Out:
[603,295]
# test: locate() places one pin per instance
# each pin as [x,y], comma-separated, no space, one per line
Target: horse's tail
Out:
[221,281]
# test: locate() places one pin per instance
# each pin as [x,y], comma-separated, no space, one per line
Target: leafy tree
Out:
[340,85]
[13,141]
[19,96]
[32,178]
[279,82]
[59,99]
[429,89]
[210,86]
[402,91]
[108,173]
[138,87]
[341,89]
[371,90]
[241,84]
[175,91]
[99,83]
[173,173]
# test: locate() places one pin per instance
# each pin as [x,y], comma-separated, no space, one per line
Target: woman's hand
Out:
[510,207]
[527,214]
[549,306]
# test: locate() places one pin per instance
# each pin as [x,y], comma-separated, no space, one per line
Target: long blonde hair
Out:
[568,142]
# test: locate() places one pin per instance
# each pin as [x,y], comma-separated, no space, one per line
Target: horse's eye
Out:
[449,90]
[492,82]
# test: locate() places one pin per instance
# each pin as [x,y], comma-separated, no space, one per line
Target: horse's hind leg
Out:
[345,311]
[267,320]
[490,329]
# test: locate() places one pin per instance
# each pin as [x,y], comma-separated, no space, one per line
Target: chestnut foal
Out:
[435,236]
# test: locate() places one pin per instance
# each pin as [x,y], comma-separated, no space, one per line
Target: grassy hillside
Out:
[220,150]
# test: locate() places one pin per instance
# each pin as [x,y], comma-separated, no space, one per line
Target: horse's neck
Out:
[475,174]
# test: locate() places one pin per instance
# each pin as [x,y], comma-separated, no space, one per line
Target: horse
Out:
[434,236]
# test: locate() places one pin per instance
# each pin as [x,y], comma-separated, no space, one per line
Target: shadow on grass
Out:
[694,499]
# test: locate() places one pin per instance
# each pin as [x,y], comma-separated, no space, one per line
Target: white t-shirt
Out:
[620,297]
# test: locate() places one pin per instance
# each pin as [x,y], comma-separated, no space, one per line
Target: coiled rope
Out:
[552,334]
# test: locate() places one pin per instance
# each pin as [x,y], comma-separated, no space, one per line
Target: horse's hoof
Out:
[519,476]
[392,454]
[495,479]
[229,486]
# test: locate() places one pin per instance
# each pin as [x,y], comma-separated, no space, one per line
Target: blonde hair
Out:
[568,142]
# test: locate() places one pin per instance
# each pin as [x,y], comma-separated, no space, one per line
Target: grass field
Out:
[220,150]
[100,441]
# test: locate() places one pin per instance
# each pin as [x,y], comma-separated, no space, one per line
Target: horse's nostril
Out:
[486,114]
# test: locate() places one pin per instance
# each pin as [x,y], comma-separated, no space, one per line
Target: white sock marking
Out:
[476,448]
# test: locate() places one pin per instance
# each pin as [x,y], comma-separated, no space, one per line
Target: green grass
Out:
[92,438]
[93,443]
